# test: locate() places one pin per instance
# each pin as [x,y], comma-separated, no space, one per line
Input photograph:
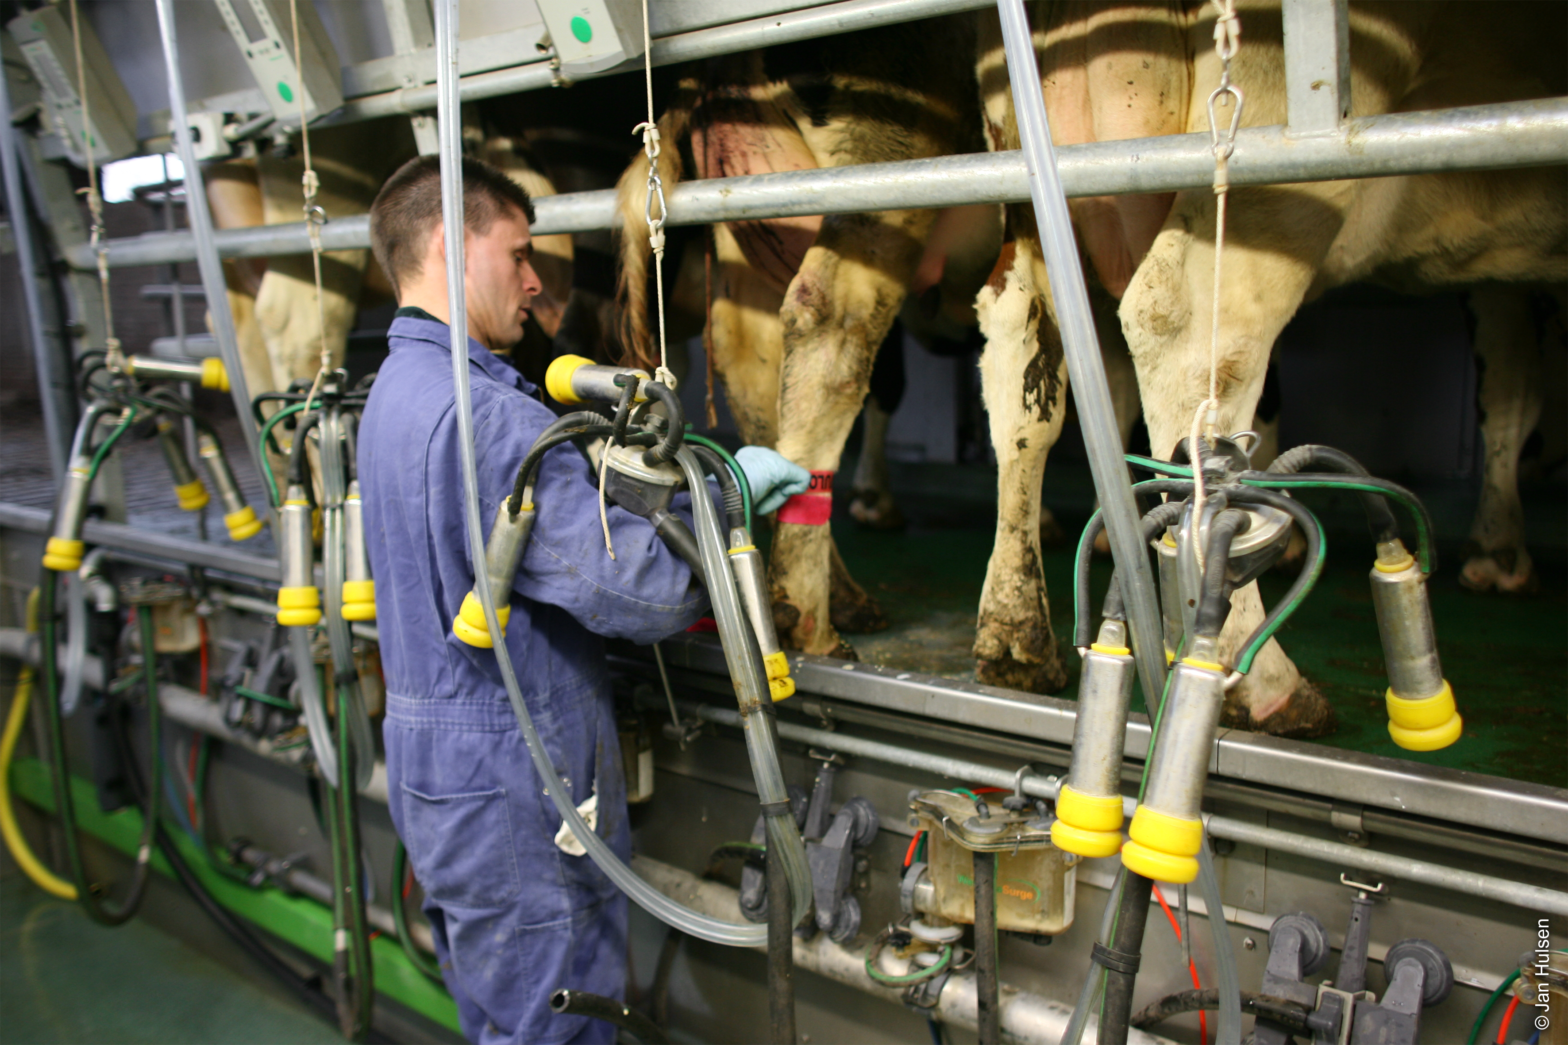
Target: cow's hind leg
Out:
[836,312]
[1508,356]
[1024,378]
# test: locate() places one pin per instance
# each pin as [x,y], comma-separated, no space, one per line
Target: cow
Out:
[1131,70]
[801,305]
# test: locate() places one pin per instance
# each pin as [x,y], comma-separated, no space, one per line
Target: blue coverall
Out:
[513,916]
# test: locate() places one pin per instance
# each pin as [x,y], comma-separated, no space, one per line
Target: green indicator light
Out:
[581,29]
[284,92]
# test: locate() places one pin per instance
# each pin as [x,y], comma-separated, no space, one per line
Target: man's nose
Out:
[531,281]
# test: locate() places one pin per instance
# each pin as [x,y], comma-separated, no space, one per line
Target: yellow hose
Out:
[45,879]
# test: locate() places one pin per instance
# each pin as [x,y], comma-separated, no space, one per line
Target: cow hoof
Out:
[1307,713]
[1007,673]
[876,510]
[857,615]
[1052,533]
[842,651]
[1102,544]
[1487,571]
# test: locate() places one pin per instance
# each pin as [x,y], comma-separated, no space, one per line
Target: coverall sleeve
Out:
[644,594]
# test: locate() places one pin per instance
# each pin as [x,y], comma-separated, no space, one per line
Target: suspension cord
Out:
[315,214]
[1227,40]
[114,357]
[650,148]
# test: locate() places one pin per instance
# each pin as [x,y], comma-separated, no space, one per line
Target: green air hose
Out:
[266,433]
[740,474]
[1486,1010]
[400,877]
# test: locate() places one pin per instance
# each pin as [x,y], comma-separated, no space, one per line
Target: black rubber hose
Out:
[299,461]
[1312,563]
[417,958]
[675,434]
[1159,518]
[1131,918]
[60,774]
[554,436]
[1214,604]
[675,533]
[351,444]
[597,1006]
[988,1012]
[1412,503]
[781,953]
[1315,458]
[1083,633]
[1291,1015]
[734,503]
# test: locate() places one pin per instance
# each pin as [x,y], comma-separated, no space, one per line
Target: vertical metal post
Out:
[200,220]
[54,395]
[1317,65]
[1082,347]
[408,23]
[988,1003]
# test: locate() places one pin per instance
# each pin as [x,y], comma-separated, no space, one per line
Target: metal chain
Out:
[114,357]
[1227,41]
[650,148]
[315,214]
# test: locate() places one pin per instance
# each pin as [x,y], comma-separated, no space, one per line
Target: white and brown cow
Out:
[1130,70]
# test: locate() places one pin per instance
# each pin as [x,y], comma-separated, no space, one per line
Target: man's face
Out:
[501,280]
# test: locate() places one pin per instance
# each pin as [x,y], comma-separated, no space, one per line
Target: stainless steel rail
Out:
[1450,795]
[1480,137]
[1519,894]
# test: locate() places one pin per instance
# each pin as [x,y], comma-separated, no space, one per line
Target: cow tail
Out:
[631,192]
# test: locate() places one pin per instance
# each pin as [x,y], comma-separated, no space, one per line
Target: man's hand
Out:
[773,478]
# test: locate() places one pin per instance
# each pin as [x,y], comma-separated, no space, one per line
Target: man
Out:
[514,917]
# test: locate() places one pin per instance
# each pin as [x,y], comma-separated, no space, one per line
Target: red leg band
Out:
[812,508]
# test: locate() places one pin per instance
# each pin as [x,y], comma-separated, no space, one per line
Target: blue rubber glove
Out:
[772,477]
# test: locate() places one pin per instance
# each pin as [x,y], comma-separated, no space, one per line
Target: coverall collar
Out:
[413,327]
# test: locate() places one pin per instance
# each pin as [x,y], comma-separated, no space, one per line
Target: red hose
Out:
[1203,1017]
[1508,1017]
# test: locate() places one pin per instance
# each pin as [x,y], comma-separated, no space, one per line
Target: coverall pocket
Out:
[462,847]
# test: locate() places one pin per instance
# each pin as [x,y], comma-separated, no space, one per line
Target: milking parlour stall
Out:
[1130,599]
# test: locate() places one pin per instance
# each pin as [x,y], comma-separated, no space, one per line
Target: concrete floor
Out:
[65,979]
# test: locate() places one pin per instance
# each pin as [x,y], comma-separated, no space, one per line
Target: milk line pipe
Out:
[449,135]
[1484,137]
[200,218]
[1081,346]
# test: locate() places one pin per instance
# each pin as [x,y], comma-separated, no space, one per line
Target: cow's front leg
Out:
[1508,359]
[1024,378]
[836,312]
[1276,242]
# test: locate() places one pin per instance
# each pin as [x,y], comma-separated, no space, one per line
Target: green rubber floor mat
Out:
[65,979]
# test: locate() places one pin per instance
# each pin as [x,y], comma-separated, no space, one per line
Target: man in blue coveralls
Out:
[514,917]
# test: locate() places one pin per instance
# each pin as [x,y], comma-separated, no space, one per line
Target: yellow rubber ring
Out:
[747,548]
[777,665]
[359,600]
[1206,665]
[1162,867]
[469,624]
[63,555]
[1421,712]
[1395,567]
[214,375]
[1072,839]
[299,607]
[1097,813]
[781,689]
[192,495]
[1433,739]
[1175,835]
[243,524]
[1115,651]
[558,379]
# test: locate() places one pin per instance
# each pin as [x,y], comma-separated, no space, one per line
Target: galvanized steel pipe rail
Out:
[1478,137]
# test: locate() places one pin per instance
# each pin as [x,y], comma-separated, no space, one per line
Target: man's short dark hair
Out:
[409,206]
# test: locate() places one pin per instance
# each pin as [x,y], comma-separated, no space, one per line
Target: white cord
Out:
[114,358]
[650,147]
[315,214]
[1205,420]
